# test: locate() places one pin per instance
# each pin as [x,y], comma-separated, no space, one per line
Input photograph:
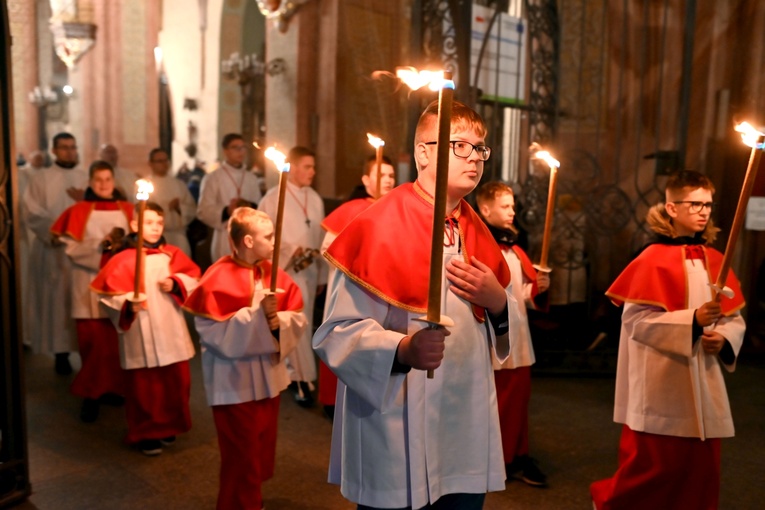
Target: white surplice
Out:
[215,194]
[303,214]
[85,256]
[664,384]
[124,181]
[166,189]
[522,354]
[158,336]
[43,201]
[239,355]
[401,439]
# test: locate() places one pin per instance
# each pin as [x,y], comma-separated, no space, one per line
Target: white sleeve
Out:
[86,253]
[35,208]
[355,345]
[210,208]
[667,332]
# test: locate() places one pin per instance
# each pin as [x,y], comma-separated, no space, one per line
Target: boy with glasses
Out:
[402,440]
[675,341]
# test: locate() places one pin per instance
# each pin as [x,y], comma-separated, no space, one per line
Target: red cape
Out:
[343,215]
[73,220]
[386,249]
[657,277]
[229,285]
[117,276]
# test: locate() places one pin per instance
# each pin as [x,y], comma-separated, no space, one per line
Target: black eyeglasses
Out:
[696,207]
[463,149]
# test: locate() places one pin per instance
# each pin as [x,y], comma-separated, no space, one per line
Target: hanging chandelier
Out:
[73,31]
[280,11]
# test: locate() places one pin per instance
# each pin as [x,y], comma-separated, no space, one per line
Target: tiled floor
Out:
[86,466]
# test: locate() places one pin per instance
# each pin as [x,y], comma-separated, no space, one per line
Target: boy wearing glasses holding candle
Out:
[402,440]
[85,230]
[675,341]
[245,333]
[155,344]
[496,203]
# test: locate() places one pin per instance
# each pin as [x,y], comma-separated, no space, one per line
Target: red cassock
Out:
[663,471]
[247,430]
[157,398]
[377,256]
[334,223]
[100,372]
[229,285]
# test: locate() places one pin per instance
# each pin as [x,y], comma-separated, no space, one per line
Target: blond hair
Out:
[463,118]
[244,221]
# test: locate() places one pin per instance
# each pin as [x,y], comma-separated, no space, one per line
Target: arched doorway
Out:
[14,465]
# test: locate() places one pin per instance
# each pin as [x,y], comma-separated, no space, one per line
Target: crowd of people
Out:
[425,415]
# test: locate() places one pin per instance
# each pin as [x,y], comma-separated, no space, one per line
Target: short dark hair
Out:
[371,161]
[298,152]
[151,206]
[230,137]
[97,165]
[491,191]
[689,179]
[156,151]
[62,136]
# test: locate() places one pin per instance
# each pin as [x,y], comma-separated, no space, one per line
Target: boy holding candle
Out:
[86,230]
[333,224]
[402,440]
[155,344]
[675,341]
[245,333]
[496,203]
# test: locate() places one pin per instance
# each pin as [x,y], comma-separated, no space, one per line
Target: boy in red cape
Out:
[675,341]
[155,344]
[245,333]
[401,440]
[333,224]
[86,231]
[496,203]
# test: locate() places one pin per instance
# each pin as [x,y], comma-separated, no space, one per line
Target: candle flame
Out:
[415,79]
[374,141]
[547,158]
[278,158]
[750,135]
[144,188]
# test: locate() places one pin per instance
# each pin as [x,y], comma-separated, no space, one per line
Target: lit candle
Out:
[554,164]
[144,188]
[442,81]
[756,140]
[378,144]
[279,160]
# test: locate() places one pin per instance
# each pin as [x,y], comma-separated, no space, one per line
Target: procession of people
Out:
[425,414]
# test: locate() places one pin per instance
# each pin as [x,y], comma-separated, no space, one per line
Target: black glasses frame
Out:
[696,207]
[483,151]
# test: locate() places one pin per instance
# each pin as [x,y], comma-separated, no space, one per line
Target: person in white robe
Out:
[51,191]
[300,257]
[223,190]
[400,439]
[174,197]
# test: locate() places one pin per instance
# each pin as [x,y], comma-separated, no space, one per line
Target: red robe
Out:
[338,219]
[118,275]
[229,285]
[72,221]
[382,258]
[655,276]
